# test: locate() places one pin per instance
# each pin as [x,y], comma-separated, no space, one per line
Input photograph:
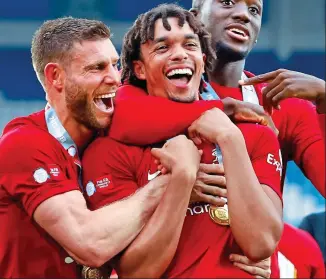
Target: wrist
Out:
[186,174]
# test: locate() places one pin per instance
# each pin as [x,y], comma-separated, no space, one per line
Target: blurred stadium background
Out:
[292,37]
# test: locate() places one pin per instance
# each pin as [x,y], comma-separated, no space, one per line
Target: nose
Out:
[113,76]
[241,13]
[179,53]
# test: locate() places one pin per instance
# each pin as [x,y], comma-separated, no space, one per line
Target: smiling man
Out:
[46,228]
[165,53]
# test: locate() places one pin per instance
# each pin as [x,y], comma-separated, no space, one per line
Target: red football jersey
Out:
[300,255]
[153,119]
[34,166]
[118,170]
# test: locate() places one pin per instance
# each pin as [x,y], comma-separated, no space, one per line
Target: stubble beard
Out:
[80,107]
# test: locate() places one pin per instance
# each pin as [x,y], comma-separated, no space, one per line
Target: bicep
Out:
[63,216]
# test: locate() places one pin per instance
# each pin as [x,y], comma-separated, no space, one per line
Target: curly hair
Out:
[54,40]
[143,30]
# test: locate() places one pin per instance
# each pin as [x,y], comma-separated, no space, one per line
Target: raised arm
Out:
[152,251]
[255,209]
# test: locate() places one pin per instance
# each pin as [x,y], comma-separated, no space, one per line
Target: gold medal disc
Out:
[219,215]
[91,273]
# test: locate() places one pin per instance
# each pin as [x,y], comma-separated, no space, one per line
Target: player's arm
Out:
[283,84]
[255,210]
[167,118]
[94,237]
[151,252]
[57,205]
[306,141]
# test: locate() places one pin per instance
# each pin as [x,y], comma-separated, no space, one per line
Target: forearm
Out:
[152,251]
[111,229]
[252,213]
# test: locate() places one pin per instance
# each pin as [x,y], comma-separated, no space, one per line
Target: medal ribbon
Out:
[248,94]
[56,129]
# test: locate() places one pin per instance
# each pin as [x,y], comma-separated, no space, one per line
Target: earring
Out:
[256,41]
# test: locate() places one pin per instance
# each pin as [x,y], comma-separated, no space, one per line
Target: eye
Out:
[227,2]
[99,67]
[191,44]
[161,48]
[254,10]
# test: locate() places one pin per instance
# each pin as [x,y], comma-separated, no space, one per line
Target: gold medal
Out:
[219,215]
[91,273]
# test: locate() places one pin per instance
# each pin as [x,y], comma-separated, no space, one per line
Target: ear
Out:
[204,59]
[139,69]
[194,11]
[53,74]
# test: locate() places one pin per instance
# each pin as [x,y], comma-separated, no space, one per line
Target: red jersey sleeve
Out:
[265,155]
[33,168]
[109,171]
[308,148]
[164,118]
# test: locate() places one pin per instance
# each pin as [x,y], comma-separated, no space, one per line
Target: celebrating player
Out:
[46,228]
[167,47]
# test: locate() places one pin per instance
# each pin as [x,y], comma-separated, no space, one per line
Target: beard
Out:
[227,54]
[80,106]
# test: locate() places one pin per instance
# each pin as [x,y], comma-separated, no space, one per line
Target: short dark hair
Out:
[143,30]
[54,40]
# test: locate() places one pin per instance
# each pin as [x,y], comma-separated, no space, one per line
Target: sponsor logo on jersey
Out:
[272,161]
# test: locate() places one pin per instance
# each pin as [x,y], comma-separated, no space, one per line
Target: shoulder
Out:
[25,141]
[254,132]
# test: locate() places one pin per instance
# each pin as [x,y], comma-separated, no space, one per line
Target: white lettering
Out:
[270,158]
[272,161]
[198,209]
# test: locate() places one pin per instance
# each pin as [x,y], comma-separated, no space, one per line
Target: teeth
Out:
[238,31]
[104,96]
[185,71]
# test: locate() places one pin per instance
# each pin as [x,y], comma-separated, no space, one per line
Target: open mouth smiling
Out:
[180,77]
[104,102]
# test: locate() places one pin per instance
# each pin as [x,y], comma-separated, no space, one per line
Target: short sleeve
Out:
[265,155]
[32,168]
[109,171]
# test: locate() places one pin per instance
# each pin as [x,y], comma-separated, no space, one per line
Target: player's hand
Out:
[210,185]
[260,269]
[283,84]
[212,126]
[240,111]
[179,153]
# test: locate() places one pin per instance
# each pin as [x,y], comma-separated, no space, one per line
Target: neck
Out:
[227,73]
[80,134]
